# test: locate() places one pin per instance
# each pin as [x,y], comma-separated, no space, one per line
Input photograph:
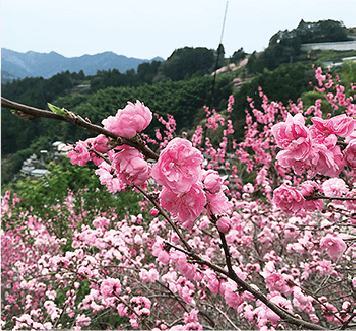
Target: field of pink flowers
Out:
[251,235]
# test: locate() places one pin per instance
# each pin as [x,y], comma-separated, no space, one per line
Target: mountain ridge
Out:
[46,65]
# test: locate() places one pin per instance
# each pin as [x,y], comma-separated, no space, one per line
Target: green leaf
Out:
[57,110]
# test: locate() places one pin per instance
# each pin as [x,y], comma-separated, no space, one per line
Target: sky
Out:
[145,29]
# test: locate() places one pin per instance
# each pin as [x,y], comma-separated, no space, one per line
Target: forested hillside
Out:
[179,86]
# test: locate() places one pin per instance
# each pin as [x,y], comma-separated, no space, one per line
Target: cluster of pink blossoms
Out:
[187,188]
[315,148]
[292,199]
[265,245]
[126,165]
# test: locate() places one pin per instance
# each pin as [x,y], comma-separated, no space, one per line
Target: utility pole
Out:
[214,75]
[217,57]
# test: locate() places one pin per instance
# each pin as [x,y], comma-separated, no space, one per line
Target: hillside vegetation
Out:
[179,86]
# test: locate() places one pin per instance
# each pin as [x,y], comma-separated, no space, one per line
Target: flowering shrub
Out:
[216,252]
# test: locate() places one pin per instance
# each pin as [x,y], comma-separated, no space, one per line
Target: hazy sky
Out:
[148,28]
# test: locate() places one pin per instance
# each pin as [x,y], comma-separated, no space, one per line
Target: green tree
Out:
[148,71]
[238,56]
[82,181]
[186,61]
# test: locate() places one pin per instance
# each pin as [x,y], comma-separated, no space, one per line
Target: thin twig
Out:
[315,197]
[166,216]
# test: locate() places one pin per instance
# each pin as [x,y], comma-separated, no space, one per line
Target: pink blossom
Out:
[96,145]
[253,268]
[340,125]
[108,178]
[149,276]
[191,317]
[288,198]
[329,312]
[134,324]
[248,188]
[319,76]
[187,206]
[334,187]
[308,188]
[212,181]
[82,320]
[224,224]
[159,250]
[179,166]
[232,296]
[351,204]
[79,154]
[105,173]
[293,136]
[130,166]
[302,302]
[129,121]
[350,154]
[281,302]
[212,280]
[110,287]
[191,326]
[185,268]
[154,212]
[333,245]
[100,222]
[99,143]
[275,282]
[327,161]
[218,203]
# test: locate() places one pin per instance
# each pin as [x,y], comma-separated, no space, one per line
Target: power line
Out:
[216,68]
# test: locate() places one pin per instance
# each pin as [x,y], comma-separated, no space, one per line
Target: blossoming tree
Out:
[217,252]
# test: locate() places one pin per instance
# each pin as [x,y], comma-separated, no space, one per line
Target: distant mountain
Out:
[33,64]
[5,77]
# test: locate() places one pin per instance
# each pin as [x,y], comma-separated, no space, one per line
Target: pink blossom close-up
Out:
[212,181]
[333,245]
[327,161]
[307,189]
[179,166]
[110,287]
[132,169]
[288,198]
[224,224]
[293,135]
[129,121]
[335,187]
[340,125]
[350,154]
[79,154]
[218,203]
[186,207]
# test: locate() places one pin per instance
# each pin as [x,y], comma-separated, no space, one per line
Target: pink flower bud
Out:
[224,224]
[212,181]
[154,212]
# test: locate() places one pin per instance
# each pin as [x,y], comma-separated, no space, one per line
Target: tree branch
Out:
[318,196]
[30,113]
